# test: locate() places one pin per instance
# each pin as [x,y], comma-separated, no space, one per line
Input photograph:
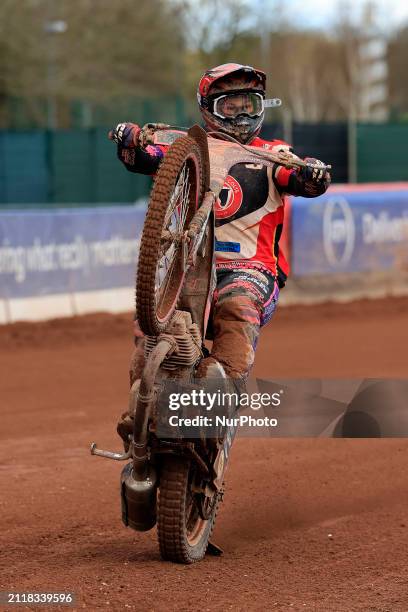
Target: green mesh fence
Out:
[24,171]
[84,168]
[63,168]
[79,166]
[72,171]
[382,152]
[113,183]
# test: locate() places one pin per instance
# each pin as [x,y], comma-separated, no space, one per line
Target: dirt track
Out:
[63,384]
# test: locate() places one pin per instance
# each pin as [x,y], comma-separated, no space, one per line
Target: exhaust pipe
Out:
[144,401]
[138,482]
[139,499]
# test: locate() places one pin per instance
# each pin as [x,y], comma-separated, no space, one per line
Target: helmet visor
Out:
[228,106]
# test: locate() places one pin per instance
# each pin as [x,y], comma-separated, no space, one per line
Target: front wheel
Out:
[183,533]
[177,193]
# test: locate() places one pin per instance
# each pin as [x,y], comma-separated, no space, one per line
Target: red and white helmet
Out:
[231,98]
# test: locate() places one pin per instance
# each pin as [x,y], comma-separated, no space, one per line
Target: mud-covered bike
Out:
[178,482]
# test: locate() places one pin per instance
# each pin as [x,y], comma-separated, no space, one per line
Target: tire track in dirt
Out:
[63,383]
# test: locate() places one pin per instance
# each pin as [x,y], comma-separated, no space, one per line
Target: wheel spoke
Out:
[180,185]
[162,290]
[174,222]
[185,207]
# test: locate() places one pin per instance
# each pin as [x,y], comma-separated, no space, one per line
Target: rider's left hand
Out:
[315,175]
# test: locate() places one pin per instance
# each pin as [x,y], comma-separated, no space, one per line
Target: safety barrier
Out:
[67,262]
[73,261]
[350,229]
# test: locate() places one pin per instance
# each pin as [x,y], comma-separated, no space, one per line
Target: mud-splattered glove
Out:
[312,182]
[126,135]
[315,175]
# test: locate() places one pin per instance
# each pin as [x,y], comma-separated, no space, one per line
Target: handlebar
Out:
[284,158]
[146,134]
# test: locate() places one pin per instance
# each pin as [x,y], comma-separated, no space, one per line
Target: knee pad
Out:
[238,307]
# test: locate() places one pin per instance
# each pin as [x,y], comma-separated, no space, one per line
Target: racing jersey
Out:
[249,212]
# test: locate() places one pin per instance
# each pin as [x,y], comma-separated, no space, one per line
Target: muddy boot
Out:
[215,380]
[211,368]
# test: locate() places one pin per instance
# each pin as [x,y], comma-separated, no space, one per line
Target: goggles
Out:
[232,104]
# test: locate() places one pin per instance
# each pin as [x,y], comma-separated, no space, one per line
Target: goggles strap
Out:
[272,103]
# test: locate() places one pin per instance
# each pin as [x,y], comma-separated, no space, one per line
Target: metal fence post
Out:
[288,126]
[352,150]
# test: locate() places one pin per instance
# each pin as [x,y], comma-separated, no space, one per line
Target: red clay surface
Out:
[312,524]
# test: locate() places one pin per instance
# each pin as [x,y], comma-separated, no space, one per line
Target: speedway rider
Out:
[251,267]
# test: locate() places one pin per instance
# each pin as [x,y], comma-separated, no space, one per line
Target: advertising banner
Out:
[350,230]
[68,251]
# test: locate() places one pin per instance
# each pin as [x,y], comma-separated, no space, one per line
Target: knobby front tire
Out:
[177,193]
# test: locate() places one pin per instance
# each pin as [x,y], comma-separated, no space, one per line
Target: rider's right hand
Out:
[126,134]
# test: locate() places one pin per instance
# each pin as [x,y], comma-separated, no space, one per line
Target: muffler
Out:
[138,482]
[139,498]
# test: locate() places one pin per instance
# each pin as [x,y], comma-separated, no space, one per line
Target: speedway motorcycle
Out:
[177,483]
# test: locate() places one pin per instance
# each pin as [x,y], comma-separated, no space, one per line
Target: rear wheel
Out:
[183,532]
[178,191]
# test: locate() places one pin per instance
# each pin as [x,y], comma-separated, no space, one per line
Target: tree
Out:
[110,48]
[397,62]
